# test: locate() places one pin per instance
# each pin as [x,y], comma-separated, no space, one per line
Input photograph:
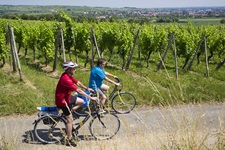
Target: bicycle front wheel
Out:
[50,129]
[123,102]
[104,126]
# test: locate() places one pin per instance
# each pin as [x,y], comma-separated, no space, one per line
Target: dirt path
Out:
[155,123]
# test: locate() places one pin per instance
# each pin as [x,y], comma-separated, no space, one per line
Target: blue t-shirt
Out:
[96,77]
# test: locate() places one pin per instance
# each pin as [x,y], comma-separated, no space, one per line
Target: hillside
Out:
[158,88]
[132,14]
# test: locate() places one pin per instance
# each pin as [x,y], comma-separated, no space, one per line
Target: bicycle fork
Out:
[99,118]
[120,97]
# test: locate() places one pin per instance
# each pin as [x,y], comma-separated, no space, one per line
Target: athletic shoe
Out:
[102,111]
[67,142]
[73,142]
[76,138]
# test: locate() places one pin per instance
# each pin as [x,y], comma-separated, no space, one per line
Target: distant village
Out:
[81,13]
[182,12]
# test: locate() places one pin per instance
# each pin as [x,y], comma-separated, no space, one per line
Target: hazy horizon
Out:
[120,3]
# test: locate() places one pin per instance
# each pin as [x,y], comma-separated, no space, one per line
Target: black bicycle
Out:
[122,102]
[50,127]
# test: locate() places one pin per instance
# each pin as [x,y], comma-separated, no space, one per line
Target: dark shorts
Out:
[67,109]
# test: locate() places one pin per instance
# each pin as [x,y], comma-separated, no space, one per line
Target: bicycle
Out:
[121,102]
[50,127]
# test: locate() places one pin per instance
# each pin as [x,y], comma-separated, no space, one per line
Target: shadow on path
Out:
[30,138]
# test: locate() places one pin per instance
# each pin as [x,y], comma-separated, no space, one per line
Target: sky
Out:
[119,3]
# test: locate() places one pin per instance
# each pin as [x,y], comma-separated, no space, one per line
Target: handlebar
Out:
[93,93]
[117,79]
[120,82]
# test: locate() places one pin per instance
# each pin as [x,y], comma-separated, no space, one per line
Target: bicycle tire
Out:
[123,102]
[50,129]
[104,126]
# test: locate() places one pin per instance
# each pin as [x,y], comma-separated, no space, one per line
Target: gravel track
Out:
[146,121]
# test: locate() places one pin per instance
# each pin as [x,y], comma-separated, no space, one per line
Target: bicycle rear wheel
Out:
[104,126]
[50,129]
[123,102]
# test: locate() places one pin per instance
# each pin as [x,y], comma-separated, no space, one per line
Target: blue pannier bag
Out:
[86,100]
[44,110]
[48,110]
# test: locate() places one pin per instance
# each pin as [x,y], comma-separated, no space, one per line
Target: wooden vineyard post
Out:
[62,45]
[14,51]
[175,56]
[206,58]
[130,56]
[11,47]
[56,49]
[92,51]
[196,52]
[165,53]
[95,42]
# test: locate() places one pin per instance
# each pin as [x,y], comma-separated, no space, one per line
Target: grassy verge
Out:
[150,87]
[8,143]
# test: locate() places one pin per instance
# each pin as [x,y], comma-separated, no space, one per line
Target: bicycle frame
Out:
[80,124]
[86,116]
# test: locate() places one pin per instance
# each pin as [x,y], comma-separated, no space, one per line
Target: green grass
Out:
[153,88]
[197,22]
[206,21]
[149,86]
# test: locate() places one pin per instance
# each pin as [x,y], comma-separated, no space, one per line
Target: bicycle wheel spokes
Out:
[49,129]
[105,126]
[123,102]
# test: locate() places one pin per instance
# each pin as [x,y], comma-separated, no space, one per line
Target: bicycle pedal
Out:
[77,124]
[76,138]
[64,141]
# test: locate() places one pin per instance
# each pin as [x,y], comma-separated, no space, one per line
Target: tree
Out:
[222,21]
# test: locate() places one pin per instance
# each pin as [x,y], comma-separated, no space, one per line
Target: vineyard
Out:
[140,49]
[129,42]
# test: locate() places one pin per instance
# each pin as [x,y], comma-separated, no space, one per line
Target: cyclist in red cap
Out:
[66,85]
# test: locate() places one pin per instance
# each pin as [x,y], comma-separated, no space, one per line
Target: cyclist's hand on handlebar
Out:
[117,84]
[94,98]
[90,90]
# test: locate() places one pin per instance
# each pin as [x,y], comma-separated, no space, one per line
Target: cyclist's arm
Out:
[109,74]
[86,95]
[81,85]
[84,87]
[111,81]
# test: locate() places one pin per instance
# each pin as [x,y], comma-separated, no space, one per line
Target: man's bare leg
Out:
[79,103]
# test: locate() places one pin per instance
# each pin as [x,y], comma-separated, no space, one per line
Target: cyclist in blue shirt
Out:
[97,76]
